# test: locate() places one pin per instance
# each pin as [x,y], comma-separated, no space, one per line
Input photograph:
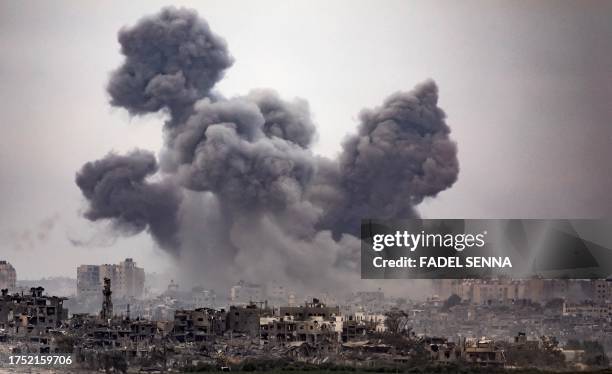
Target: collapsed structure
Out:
[369,330]
[31,314]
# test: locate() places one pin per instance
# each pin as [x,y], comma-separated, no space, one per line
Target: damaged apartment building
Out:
[135,337]
[199,324]
[314,323]
[480,352]
[33,313]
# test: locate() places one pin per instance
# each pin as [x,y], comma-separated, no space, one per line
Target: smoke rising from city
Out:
[117,189]
[237,191]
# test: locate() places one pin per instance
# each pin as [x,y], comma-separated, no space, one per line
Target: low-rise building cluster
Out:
[494,322]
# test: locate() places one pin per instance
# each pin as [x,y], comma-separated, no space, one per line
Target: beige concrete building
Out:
[8,276]
[587,309]
[127,279]
[502,290]
[88,281]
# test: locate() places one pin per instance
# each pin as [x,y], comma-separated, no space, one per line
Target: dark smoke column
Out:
[116,189]
[172,59]
[402,153]
[245,166]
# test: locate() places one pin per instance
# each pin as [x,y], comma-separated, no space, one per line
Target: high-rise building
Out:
[244,292]
[8,275]
[88,280]
[131,279]
[127,279]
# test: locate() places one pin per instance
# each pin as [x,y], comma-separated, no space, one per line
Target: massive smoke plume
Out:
[240,191]
[401,154]
[117,189]
[171,60]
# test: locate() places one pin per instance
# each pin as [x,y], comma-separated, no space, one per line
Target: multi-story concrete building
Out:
[198,324]
[131,279]
[127,279]
[244,292]
[503,290]
[246,319]
[88,281]
[374,321]
[313,309]
[587,309]
[8,276]
[602,290]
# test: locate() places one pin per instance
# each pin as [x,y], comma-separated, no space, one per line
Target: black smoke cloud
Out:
[286,120]
[401,154]
[116,189]
[246,163]
[225,148]
[171,61]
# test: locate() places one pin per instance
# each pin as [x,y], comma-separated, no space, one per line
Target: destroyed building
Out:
[313,330]
[245,319]
[441,350]
[198,325]
[32,313]
[314,323]
[312,309]
[482,352]
[353,330]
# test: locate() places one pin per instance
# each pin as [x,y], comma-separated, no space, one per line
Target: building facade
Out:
[8,276]
[88,281]
[127,279]
[245,293]
[33,313]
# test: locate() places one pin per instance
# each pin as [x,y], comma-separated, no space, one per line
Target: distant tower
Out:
[107,304]
[8,276]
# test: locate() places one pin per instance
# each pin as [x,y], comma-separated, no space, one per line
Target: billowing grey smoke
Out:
[245,163]
[401,154]
[117,189]
[223,148]
[171,61]
[286,120]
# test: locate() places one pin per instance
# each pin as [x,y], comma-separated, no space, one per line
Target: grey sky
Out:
[527,87]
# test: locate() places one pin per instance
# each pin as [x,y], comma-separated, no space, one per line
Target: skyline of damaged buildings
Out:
[202,326]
